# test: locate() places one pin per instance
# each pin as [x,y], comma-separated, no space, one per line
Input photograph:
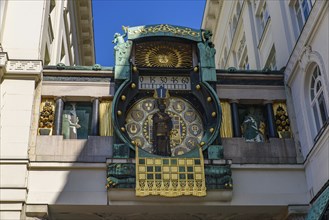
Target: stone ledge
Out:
[39,211]
[3,58]
[54,148]
[276,151]
[128,195]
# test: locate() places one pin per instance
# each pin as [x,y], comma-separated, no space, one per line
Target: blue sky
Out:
[110,15]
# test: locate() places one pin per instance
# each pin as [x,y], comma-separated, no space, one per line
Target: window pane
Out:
[318,86]
[323,109]
[306,9]
[316,117]
[299,16]
[76,120]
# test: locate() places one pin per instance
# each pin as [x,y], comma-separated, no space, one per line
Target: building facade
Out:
[255,115]
[291,36]
[33,34]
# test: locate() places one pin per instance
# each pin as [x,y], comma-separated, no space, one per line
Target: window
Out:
[271,60]
[62,53]
[46,59]
[318,101]
[302,9]
[245,64]
[263,17]
[76,123]
[52,5]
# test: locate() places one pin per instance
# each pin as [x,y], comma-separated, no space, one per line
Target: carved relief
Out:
[24,66]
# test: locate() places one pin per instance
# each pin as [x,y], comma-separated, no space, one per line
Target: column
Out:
[270,119]
[235,118]
[58,116]
[95,118]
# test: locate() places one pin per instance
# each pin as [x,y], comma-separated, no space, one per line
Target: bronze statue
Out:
[162,126]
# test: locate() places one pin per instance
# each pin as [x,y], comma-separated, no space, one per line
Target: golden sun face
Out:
[163,55]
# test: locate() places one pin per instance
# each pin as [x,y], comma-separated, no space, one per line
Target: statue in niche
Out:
[162,126]
[73,122]
[253,128]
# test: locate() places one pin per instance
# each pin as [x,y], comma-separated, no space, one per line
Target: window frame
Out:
[299,8]
[315,95]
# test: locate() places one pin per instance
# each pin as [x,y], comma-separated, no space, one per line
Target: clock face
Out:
[185,135]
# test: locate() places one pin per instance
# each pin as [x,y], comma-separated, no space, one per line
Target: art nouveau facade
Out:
[59,145]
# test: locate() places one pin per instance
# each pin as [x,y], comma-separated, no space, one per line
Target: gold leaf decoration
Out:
[163,54]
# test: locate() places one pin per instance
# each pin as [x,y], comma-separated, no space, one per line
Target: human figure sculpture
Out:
[252,126]
[162,125]
[73,122]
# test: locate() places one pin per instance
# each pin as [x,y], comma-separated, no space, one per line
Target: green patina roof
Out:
[96,67]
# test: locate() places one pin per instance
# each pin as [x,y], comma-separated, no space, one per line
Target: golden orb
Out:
[213,114]
[211,130]
[133,142]
[119,112]
[123,98]
[209,99]
[133,85]
[202,143]
[198,87]
[123,129]
[135,70]
[196,69]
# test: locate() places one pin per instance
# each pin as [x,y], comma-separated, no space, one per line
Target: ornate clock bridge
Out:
[179,63]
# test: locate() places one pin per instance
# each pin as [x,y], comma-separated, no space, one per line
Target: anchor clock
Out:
[178,61]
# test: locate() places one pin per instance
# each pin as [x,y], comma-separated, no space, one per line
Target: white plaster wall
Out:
[13,175]
[317,166]
[67,186]
[22,29]
[298,99]
[320,44]
[222,29]
[268,185]
[249,29]
[280,33]
[254,92]
[87,89]
[253,185]
[16,100]
[265,45]
[10,215]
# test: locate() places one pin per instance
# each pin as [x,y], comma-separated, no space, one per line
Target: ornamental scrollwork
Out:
[165,28]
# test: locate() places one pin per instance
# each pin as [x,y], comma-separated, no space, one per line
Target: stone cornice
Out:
[301,44]
[85,31]
[211,14]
